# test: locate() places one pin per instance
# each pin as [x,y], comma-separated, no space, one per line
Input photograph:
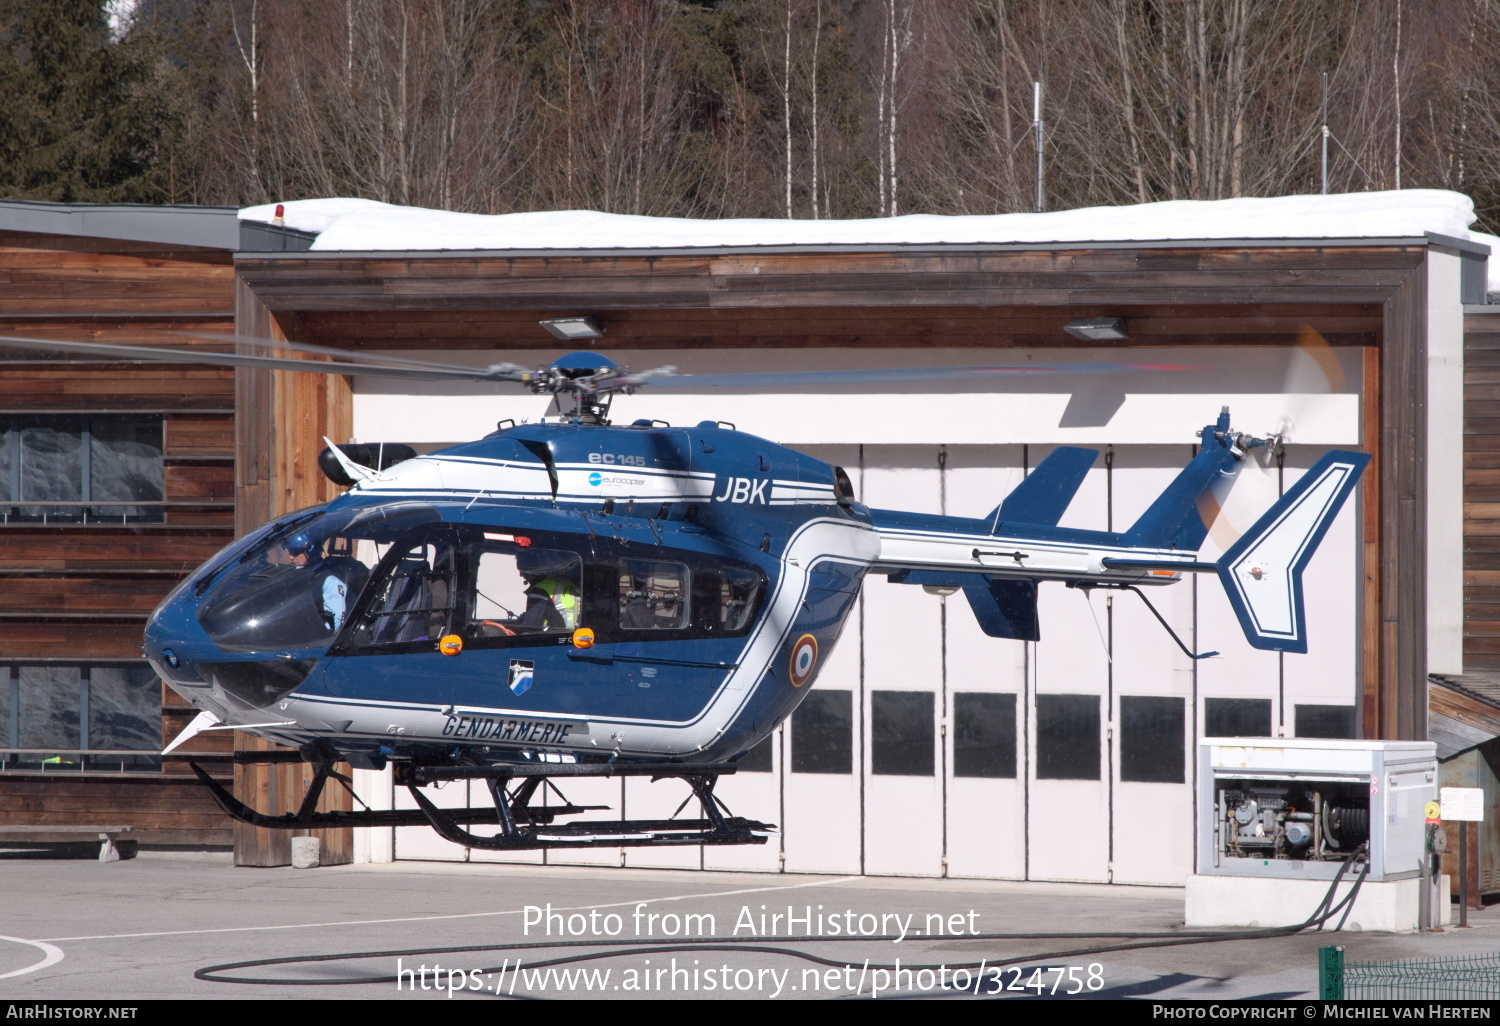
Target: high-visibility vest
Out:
[564,598]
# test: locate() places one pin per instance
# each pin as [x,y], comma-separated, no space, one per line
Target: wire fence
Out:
[1469,978]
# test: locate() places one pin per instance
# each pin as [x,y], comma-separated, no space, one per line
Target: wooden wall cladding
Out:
[66,274]
[1482,492]
[94,388]
[163,809]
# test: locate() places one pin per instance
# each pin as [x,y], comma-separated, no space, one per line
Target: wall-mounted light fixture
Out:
[1097,329]
[571,329]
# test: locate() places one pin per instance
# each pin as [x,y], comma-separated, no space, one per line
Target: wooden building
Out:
[81,715]
[1388,311]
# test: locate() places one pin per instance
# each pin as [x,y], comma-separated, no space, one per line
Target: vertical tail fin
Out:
[1174,520]
[1262,572]
[1044,496]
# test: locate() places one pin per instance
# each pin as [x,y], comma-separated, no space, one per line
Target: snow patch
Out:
[366,225]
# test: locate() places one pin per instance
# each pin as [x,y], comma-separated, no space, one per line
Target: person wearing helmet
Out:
[300,551]
[552,600]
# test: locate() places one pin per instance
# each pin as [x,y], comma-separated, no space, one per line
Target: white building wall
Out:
[1445,464]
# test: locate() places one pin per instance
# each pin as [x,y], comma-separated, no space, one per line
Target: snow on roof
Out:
[355,225]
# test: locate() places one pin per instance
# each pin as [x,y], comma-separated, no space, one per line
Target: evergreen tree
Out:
[83,117]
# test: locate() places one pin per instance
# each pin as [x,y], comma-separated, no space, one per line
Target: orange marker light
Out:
[451,644]
[583,637]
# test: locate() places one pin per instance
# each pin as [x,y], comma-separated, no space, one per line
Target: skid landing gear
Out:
[524,826]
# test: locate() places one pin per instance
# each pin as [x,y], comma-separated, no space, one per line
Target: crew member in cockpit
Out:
[300,551]
[551,589]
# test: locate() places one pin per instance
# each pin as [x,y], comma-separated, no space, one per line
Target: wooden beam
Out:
[282,418]
[1403,513]
[1370,691]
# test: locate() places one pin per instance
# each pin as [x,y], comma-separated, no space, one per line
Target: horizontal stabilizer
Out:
[1262,572]
[1005,609]
[1044,496]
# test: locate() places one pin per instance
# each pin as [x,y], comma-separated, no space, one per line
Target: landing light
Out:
[1097,329]
[570,329]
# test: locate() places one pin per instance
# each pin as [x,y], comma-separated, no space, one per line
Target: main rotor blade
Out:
[890,375]
[348,354]
[111,351]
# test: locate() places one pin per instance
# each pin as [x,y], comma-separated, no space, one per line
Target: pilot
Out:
[300,551]
[552,599]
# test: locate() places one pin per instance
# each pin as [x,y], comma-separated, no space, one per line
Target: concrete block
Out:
[306,852]
[1249,901]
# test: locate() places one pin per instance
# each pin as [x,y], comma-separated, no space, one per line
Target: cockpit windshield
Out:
[295,588]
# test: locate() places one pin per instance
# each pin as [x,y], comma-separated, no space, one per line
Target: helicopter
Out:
[572,597]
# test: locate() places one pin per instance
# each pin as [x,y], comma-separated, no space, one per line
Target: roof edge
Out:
[172,224]
[865,247]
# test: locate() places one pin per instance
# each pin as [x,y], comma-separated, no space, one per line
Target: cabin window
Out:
[81,469]
[653,595]
[901,734]
[1236,717]
[1151,739]
[65,716]
[724,598]
[523,589]
[984,734]
[823,733]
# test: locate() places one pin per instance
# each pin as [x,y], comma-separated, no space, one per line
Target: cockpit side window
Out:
[294,587]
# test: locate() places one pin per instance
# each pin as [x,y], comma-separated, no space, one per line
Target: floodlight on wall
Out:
[1097,329]
[572,329]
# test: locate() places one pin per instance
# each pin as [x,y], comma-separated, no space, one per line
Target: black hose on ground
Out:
[1324,912]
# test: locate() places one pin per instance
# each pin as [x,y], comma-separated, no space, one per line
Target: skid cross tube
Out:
[521,828]
[305,819]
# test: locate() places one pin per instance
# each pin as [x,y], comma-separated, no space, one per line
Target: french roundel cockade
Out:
[575,598]
[804,659]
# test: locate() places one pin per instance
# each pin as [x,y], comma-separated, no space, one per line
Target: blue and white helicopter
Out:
[575,598]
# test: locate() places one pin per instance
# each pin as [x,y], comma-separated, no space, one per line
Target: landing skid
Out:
[523,826]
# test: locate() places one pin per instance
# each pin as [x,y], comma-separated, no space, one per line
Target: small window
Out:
[1151,739]
[758,759]
[124,708]
[1067,737]
[1330,721]
[823,733]
[66,710]
[520,590]
[653,595]
[984,734]
[78,470]
[1237,717]
[51,700]
[901,733]
[9,690]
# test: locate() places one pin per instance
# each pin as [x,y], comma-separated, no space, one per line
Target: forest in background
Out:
[745,108]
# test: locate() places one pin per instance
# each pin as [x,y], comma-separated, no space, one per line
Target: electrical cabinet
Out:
[1297,808]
